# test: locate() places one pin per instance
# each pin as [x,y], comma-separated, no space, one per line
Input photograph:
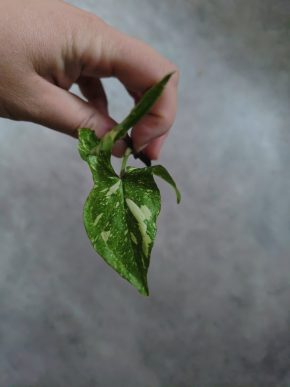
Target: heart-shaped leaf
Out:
[120,212]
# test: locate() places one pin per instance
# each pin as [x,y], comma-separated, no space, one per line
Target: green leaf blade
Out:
[120,219]
[162,172]
[87,142]
[109,234]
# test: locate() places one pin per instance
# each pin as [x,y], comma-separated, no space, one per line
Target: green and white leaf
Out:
[120,213]
[120,218]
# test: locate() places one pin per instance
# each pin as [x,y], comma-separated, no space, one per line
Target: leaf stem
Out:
[127,154]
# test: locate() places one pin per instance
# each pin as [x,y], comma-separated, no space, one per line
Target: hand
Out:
[48,45]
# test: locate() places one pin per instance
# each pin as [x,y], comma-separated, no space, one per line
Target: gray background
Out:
[218,313]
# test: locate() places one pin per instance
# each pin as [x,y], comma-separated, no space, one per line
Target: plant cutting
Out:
[121,210]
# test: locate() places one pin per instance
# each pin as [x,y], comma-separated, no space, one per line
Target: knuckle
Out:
[95,122]
[167,123]
[89,121]
[162,123]
[166,118]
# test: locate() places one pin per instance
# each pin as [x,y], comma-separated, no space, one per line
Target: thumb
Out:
[61,110]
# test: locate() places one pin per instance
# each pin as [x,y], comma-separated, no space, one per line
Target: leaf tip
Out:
[144,291]
[167,77]
[178,195]
[141,285]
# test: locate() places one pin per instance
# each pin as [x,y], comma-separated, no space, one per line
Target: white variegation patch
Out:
[113,189]
[146,212]
[105,235]
[140,218]
[97,219]
[133,238]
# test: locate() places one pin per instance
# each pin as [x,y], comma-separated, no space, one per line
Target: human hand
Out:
[48,45]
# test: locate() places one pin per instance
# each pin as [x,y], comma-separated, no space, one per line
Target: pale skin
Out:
[46,46]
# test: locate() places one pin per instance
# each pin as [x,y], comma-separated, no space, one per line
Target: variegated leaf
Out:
[120,213]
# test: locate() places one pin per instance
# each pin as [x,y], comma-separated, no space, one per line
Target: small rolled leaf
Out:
[143,106]
[139,111]
[162,172]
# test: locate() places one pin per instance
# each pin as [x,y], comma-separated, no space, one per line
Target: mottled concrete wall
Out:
[218,314]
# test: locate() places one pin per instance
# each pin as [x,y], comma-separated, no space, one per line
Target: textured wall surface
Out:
[218,313]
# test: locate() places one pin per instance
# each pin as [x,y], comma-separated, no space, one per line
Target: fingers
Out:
[153,150]
[92,89]
[138,67]
[59,109]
